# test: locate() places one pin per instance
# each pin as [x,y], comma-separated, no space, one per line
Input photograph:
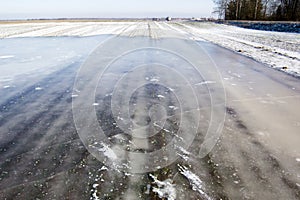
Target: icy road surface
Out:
[143,110]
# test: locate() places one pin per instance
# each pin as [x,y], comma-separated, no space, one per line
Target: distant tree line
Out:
[284,10]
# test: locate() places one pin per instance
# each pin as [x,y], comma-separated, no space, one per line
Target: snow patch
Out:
[154,79]
[264,46]
[205,82]
[103,168]
[38,88]
[108,152]
[173,107]
[94,194]
[195,181]
[171,89]
[165,189]
[184,154]
[7,56]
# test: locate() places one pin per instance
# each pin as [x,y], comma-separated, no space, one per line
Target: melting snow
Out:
[94,194]
[183,153]
[195,181]
[165,189]
[183,150]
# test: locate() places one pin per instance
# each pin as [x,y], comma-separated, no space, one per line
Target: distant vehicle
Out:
[198,19]
[168,18]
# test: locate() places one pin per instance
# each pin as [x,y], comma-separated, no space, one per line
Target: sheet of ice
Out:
[32,56]
[278,50]
[165,189]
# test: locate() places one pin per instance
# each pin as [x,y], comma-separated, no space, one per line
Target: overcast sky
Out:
[29,9]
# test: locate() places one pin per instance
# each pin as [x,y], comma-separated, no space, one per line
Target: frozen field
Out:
[44,29]
[274,49]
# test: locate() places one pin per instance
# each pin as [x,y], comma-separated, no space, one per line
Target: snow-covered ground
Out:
[11,30]
[275,49]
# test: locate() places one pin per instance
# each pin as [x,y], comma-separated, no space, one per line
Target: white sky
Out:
[27,9]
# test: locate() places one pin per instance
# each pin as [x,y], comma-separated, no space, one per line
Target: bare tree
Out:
[220,8]
[258,9]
